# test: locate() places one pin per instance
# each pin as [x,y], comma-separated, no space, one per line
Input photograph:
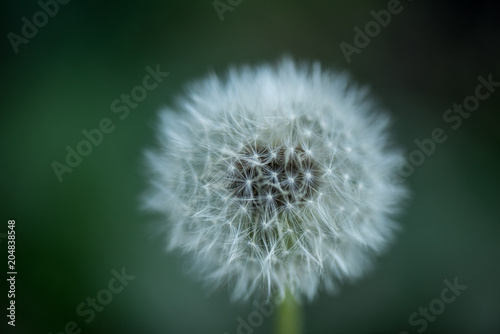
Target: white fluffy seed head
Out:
[276,178]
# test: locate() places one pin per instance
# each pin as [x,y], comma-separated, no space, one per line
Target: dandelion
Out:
[276,180]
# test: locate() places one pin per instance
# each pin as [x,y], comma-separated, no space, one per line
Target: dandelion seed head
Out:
[275,178]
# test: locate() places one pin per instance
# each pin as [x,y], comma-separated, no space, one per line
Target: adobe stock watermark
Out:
[120,106]
[49,9]
[436,306]
[372,29]
[255,318]
[221,7]
[454,117]
[88,309]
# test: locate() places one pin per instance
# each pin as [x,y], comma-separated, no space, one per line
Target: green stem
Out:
[289,316]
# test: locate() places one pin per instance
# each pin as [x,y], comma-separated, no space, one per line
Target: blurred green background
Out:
[72,234]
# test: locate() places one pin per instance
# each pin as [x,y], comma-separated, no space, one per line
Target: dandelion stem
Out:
[289,316]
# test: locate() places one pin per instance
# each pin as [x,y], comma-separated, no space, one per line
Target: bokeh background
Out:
[72,234]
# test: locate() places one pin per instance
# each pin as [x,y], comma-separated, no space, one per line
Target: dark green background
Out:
[70,235]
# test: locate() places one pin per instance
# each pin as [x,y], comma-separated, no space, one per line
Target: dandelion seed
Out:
[249,201]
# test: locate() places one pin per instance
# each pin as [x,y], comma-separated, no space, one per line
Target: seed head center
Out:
[274,178]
